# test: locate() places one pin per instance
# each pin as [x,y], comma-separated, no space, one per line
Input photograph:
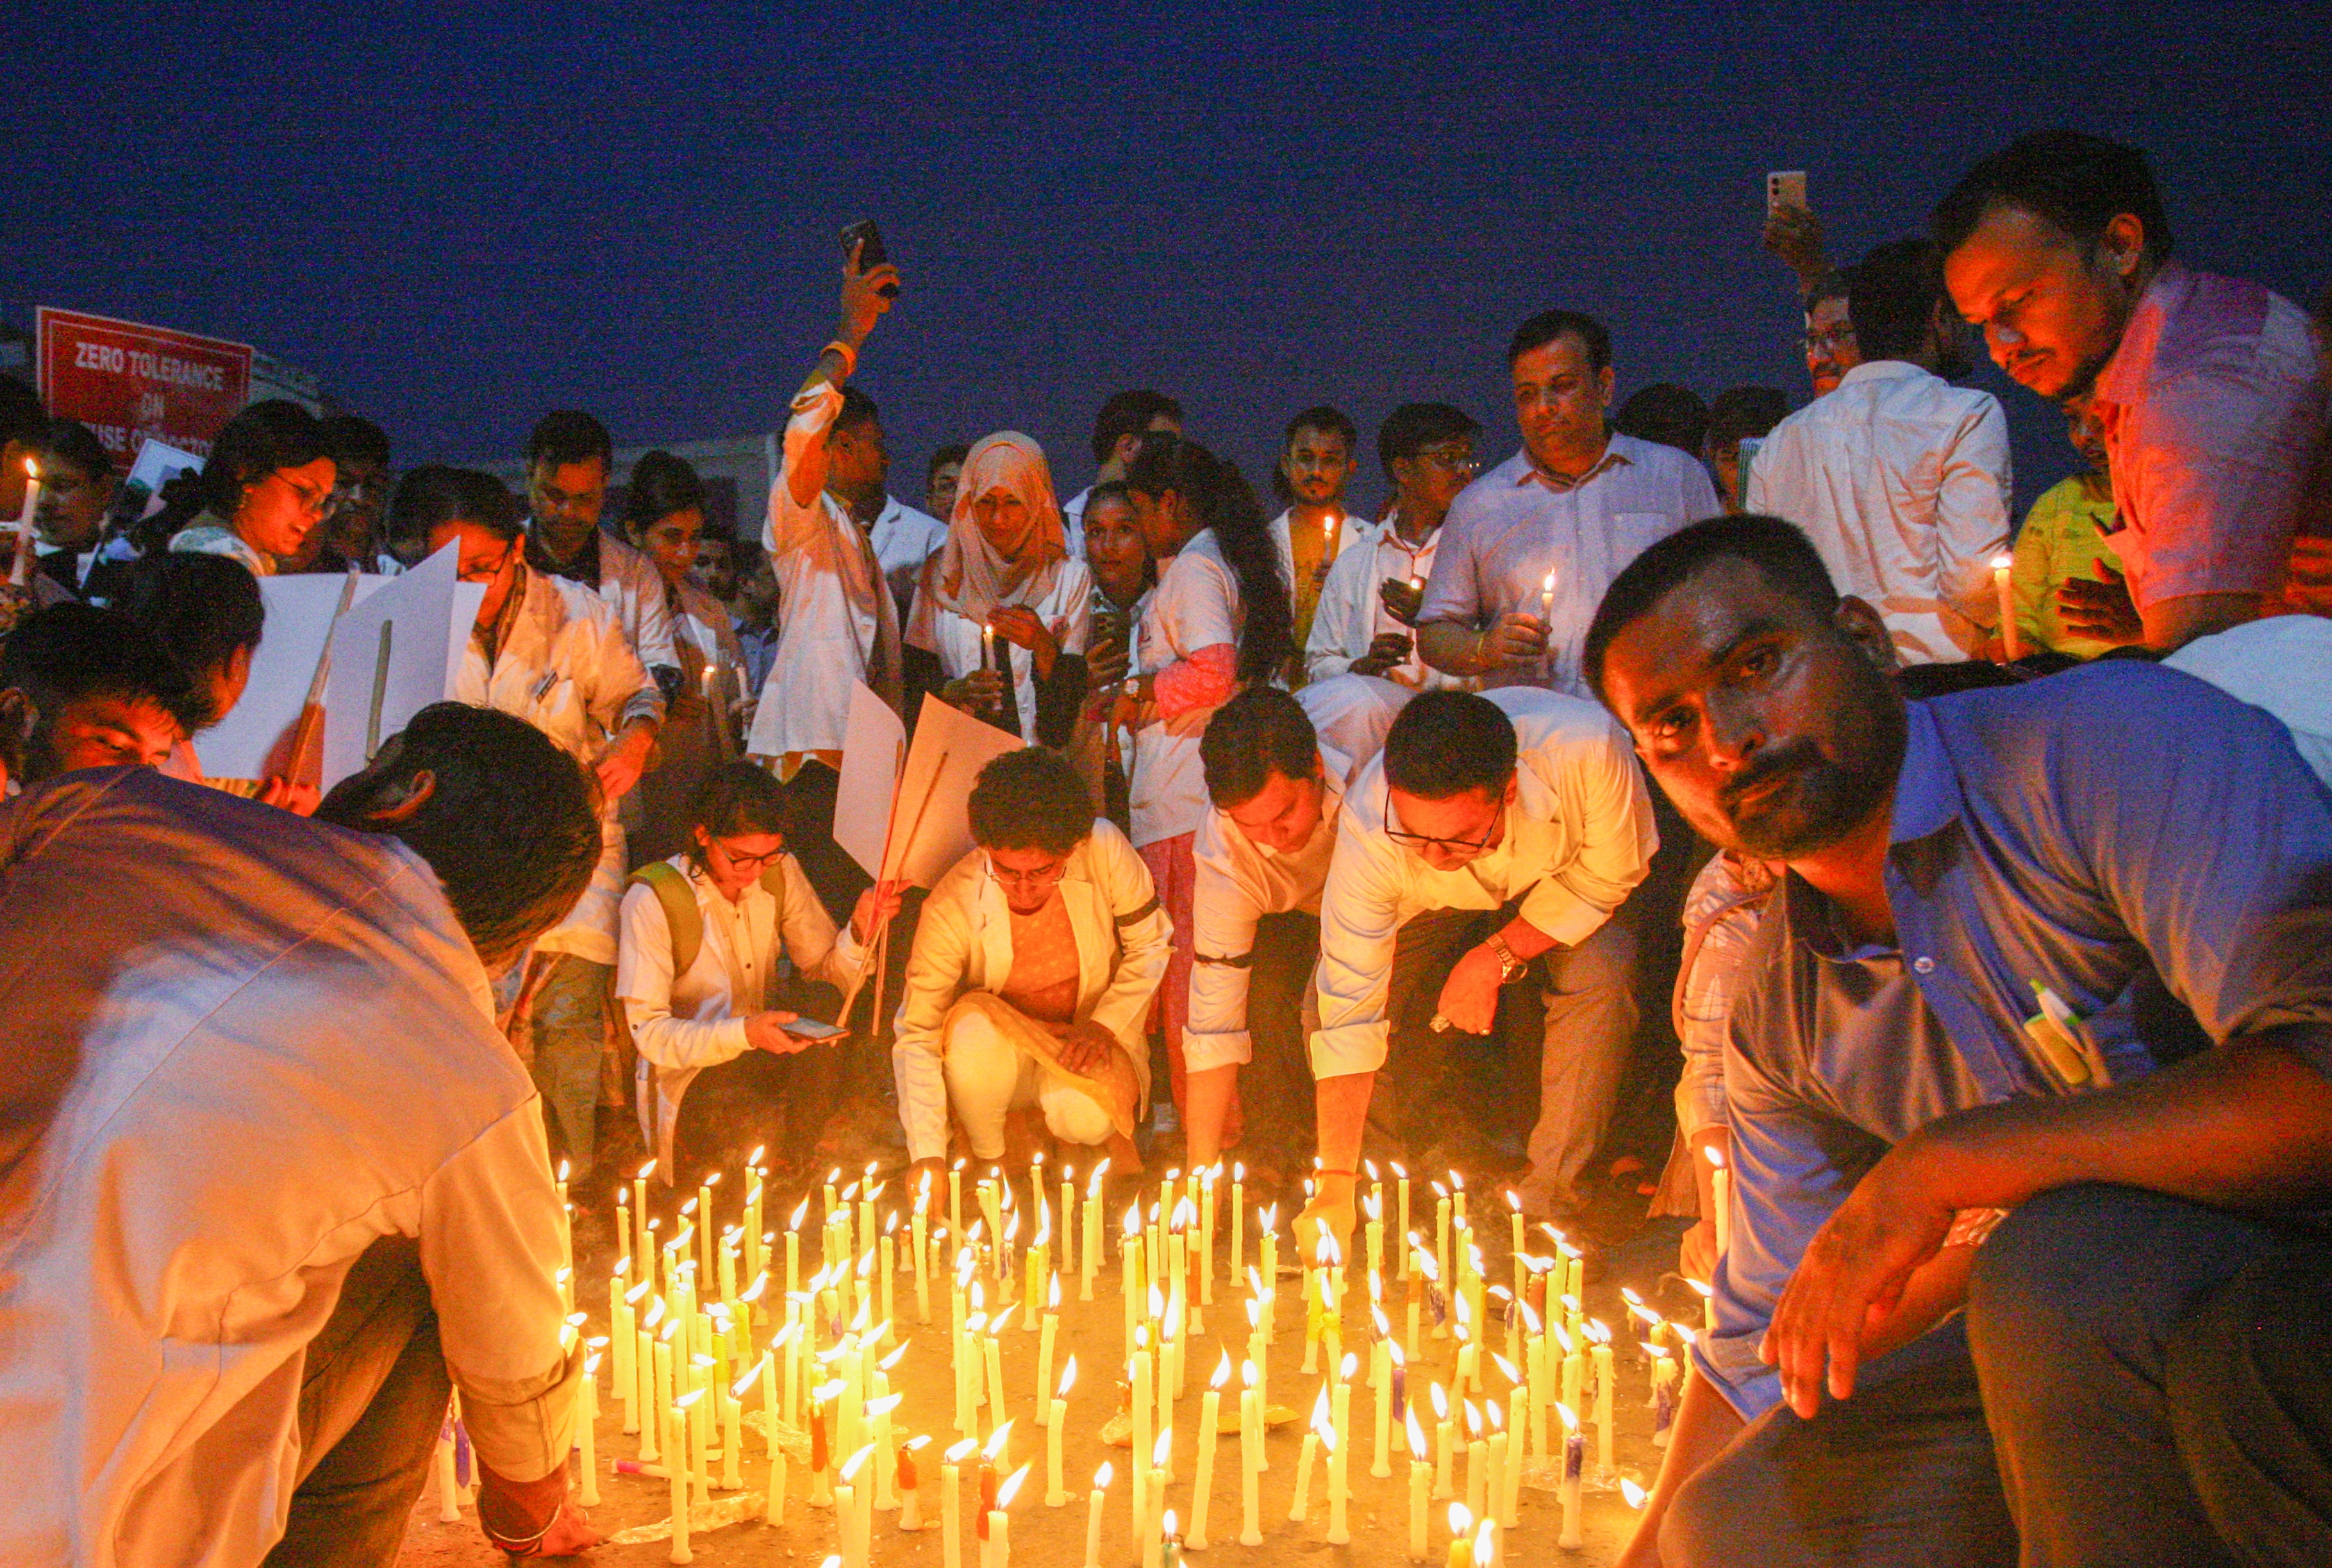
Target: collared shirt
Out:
[1516,524]
[696,1019]
[1297,568]
[629,583]
[2282,663]
[1901,480]
[2065,535]
[2211,408]
[1577,840]
[1066,608]
[904,537]
[1351,613]
[274,1048]
[2117,826]
[963,942]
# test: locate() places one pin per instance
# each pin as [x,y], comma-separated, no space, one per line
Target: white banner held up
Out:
[391,658]
[253,740]
[921,814]
[874,745]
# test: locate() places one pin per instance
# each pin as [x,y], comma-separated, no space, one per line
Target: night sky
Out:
[458,221]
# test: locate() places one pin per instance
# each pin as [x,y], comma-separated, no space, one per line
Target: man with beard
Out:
[2137,1377]
[1315,466]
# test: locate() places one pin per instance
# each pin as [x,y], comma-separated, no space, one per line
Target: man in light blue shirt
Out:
[1530,546]
[2145,864]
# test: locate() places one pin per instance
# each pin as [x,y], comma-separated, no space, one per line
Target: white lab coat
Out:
[633,588]
[1352,615]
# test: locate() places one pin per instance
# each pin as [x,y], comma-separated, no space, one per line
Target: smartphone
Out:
[866,241]
[1785,187]
[813,1029]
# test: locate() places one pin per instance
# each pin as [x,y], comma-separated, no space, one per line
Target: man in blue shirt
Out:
[2137,1377]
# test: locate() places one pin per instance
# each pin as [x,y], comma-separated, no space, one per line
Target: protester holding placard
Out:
[265,488]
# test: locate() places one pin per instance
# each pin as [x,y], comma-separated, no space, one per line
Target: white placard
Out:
[390,659]
[874,744]
[253,740]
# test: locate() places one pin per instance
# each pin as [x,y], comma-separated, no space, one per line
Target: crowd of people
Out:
[1972,883]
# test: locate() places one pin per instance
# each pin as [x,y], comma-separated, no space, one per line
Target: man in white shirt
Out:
[1900,479]
[270,1173]
[1261,857]
[1029,986]
[857,468]
[1316,457]
[1118,430]
[569,459]
[1530,546]
[548,650]
[1487,836]
[1371,597]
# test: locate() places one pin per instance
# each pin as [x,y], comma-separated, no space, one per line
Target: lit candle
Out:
[1210,1421]
[1239,1222]
[910,1484]
[821,1467]
[1444,1433]
[773,1501]
[585,1439]
[1663,1395]
[1250,1458]
[919,1242]
[1068,1262]
[1302,1504]
[2011,642]
[1477,1463]
[1402,1176]
[1092,1240]
[1603,1382]
[1720,1191]
[1380,1383]
[1057,1494]
[641,1247]
[1574,1468]
[20,571]
[998,1550]
[1461,1523]
[1093,1514]
[1338,1440]
[952,1502]
[845,1510]
[1421,1487]
[1145,1409]
[676,1446]
[1546,601]
[1045,1349]
[955,1198]
[1152,1538]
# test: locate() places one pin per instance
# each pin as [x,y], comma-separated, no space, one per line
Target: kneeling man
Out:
[1033,968]
[1977,991]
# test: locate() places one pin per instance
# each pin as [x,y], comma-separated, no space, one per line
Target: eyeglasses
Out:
[748,862]
[1455,462]
[1420,843]
[1041,876]
[1831,337]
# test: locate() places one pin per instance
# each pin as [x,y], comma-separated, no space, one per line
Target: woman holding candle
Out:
[265,488]
[702,934]
[1002,615]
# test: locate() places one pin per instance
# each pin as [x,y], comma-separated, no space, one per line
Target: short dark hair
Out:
[1778,550]
[432,495]
[1891,296]
[566,435]
[1412,427]
[200,611]
[857,409]
[1260,732]
[1739,412]
[510,827]
[955,452]
[1445,743]
[1323,416]
[272,434]
[22,416]
[352,438]
[1548,325]
[2076,182]
[70,651]
[1129,414]
[69,442]
[1030,800]
[1831,285]
[738,797]
[660,485]
[1665,413]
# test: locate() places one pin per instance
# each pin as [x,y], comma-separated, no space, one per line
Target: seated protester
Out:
[1261,856]
[77,485]
[715,939]
[273,1181]
[1220,620]
[838,622]
[2207,389]
[664,517]
[2067,581]
[207,613]
[1488,843]
[1117,560]
[83,687]
[1317,459]
[1738,422]
[548,650]
[2091,838]
[1002,613]
[265,488]
[1368,609]
[1667,414]
[1031,977]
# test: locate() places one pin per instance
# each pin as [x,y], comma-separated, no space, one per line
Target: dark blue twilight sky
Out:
[459,216]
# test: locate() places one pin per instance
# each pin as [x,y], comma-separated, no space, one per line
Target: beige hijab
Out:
[972,577]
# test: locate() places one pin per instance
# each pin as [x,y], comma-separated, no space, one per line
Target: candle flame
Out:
[1570,1417]
[848,1475]
[799,1216]
[1352,1363]
[2003,562]
[1461,1518]
[1068,1379]
[1513,1374]
[994,1447]
[1010,1488]
[1701,1286]
[916,1443]
[1473,1421]
[883,1406]
[646,1171]
[1633,1493]
[1320,1408]
[1246,1374]
[1222,1371]
[959,1452]
[1161,1452]
[744,1385]
[1440,1402]
[1715,1156]
[888,1362]
[1167,1525]
[1103,1476]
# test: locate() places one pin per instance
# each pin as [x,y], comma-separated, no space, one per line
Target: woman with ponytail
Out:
[1220,620]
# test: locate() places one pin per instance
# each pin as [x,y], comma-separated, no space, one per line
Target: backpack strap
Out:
[681,915]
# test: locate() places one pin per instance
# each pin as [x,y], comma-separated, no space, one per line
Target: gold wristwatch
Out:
[1510,968]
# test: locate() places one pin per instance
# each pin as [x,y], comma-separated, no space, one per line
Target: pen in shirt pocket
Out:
[2064,1040]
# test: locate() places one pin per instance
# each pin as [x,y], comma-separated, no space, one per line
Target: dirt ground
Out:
[1095,1331]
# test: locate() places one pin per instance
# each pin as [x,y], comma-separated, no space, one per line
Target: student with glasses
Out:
[1367,617]
[1482,853]
[723,946]
[265,488]
[1029,986]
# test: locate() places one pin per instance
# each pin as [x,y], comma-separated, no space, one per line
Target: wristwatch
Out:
[1510,968]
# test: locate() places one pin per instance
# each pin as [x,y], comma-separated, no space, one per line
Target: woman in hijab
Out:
[1003,611]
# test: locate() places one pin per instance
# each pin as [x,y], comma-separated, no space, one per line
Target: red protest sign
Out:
[127,381]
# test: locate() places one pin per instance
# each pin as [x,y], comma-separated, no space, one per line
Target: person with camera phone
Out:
[726,1045]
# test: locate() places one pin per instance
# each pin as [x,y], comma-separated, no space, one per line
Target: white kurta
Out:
[1066,610]
[1237,881]
[963,942]
[1578,838]
[274,1048]
[838,624]
[686,1022]
[1351,613]
[1196,605]
[566,667]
